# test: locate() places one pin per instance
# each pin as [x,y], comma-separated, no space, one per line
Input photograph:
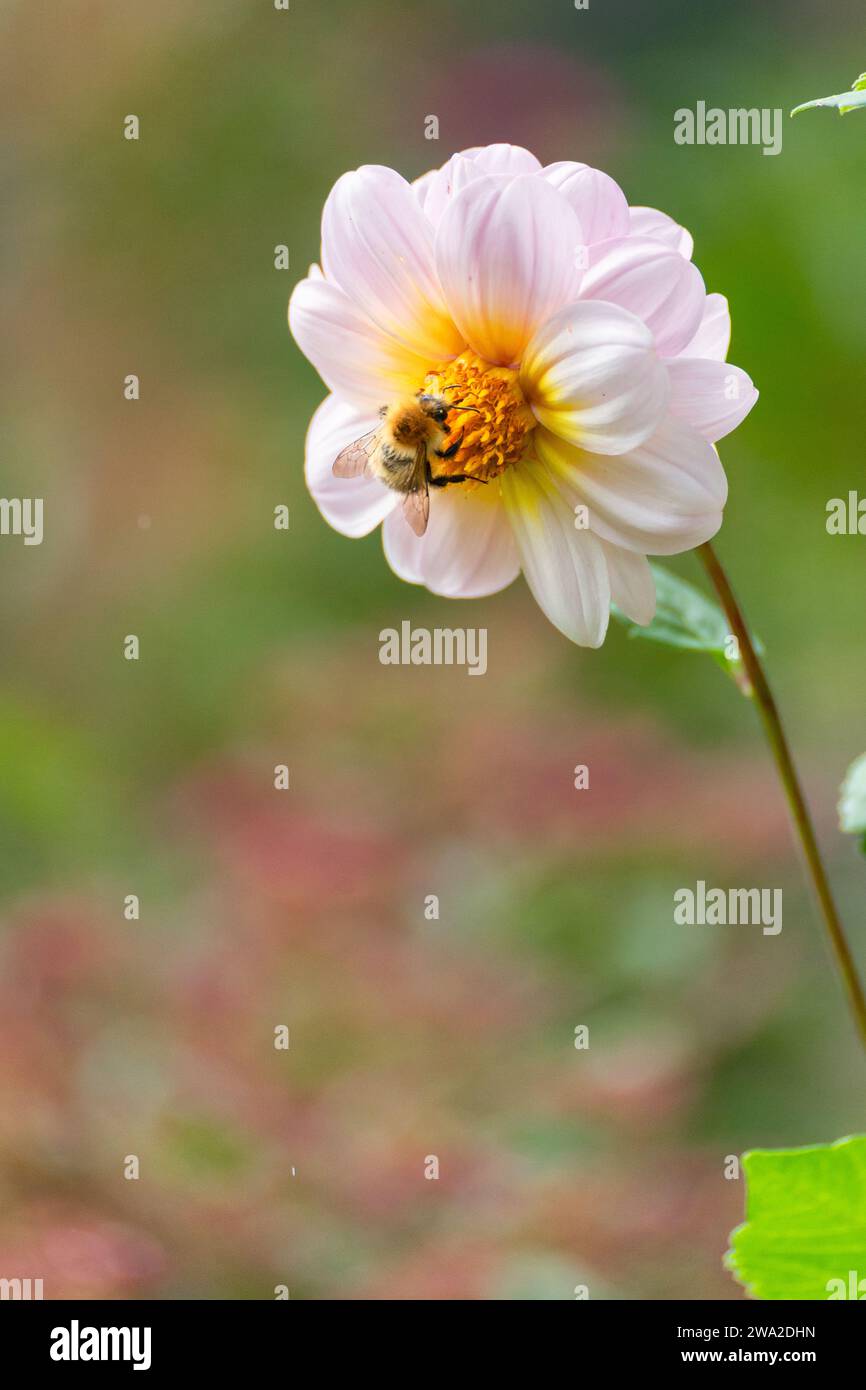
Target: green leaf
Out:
[852,800]
[843,101]
[805,1222]
[686,618]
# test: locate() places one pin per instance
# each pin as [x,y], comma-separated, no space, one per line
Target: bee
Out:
[399,452]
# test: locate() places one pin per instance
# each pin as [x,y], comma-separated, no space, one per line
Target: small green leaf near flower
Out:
[687,619]
[684,617]
[804,1236]
[843,101]
[852,800]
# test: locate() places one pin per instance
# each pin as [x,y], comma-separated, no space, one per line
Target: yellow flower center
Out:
[492,434]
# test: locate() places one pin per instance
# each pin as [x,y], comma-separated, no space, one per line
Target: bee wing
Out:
[352,461]
[416,504]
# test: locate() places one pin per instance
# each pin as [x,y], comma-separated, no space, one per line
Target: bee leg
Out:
[452,448]
[444,479]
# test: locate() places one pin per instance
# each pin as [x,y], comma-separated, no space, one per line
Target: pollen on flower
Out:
[492,435]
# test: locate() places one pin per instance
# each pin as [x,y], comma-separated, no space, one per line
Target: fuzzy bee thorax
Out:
[408,424]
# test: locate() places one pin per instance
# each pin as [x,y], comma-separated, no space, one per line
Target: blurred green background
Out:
[408,1037]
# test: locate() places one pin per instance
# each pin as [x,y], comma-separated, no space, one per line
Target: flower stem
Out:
[760,691]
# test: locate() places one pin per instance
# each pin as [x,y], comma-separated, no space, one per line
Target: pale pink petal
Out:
[351,353]
[506,254]
[564,567]
[591,375]
[422,185]
[632,587]
[659,286]
[403,549]
[662,498]
[649,222]
[441,185]
[467,551]
[713,337]
[503,159]
[446,183]
[377,245]
[353,506]
[598,201]
[713,397]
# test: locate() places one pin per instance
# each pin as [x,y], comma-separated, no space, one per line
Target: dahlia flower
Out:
[580,334]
